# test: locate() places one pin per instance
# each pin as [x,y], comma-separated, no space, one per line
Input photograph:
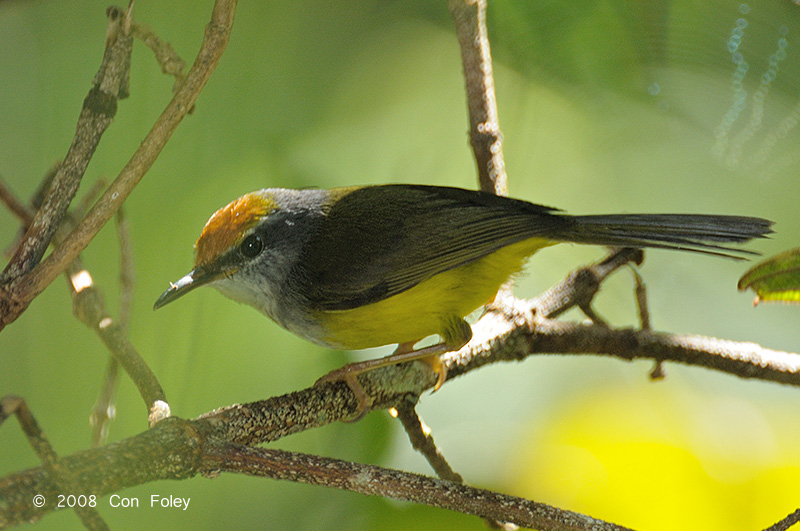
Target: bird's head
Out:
[248,247]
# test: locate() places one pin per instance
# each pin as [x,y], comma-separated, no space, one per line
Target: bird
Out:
[366,266]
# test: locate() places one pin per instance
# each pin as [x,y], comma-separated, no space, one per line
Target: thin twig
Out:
[658,372]
[127,275]
[103,411]
[581,286]
[641,300]
[90,308]
[169,61]
[422,441]
[484,128]
[15,205]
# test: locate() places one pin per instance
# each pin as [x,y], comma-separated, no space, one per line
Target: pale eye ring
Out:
[251,246]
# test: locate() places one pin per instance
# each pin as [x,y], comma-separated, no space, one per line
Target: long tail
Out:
[687,232]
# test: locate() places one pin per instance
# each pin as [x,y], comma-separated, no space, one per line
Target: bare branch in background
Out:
[103,411]
[484,128]
[19,289]
[89,307]
[99,107]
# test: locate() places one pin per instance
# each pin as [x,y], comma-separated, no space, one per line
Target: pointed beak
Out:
[196,278]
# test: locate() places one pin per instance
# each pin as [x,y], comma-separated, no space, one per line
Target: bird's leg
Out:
[456,334]
[403,353]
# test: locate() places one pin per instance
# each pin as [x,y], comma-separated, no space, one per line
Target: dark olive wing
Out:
[379,241]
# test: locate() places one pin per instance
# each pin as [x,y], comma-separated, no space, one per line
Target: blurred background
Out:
[606,106]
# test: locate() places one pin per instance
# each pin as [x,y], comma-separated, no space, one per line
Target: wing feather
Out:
[379,241]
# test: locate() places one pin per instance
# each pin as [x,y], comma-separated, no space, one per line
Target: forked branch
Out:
[21,285]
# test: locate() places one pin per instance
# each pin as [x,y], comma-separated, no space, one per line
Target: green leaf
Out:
[775,279]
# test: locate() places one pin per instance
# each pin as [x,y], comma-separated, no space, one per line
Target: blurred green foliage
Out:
[606,106]
[776,278]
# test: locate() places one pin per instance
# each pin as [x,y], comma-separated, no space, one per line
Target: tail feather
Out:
[689,232]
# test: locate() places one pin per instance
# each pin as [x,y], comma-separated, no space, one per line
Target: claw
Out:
[439,369]
[404,352]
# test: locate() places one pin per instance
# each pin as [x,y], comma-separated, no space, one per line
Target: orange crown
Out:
[227,225]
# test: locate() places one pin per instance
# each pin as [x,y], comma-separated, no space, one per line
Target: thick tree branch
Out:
[178,449]
[398,485]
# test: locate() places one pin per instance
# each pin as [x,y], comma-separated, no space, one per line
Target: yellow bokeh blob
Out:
[664,457]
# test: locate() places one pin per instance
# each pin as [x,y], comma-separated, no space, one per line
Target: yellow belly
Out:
[426,308]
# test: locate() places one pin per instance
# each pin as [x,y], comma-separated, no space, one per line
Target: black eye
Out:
[251,246]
